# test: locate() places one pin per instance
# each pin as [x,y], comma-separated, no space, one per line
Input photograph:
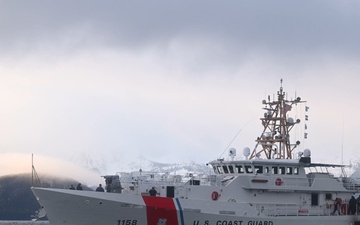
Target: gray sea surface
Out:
[23,222]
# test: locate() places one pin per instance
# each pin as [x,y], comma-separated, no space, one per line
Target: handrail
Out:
[270,209]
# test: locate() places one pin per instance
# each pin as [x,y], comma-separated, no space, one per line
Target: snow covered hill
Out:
[111,165]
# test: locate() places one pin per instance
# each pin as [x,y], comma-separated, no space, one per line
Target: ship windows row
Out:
[233,169]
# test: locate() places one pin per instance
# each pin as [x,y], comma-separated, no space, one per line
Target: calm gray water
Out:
[24,223]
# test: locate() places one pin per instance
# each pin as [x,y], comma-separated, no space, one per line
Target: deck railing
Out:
[296,210]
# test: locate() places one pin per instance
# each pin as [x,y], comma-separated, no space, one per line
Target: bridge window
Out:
[220,170]
[239,169]
[296,170]
[274,170]
[248,169]
[289,170]
[226,170]
[267,169]
[231,169]
[281,170]
[258,169]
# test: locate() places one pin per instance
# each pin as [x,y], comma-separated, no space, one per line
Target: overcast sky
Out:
[174,81]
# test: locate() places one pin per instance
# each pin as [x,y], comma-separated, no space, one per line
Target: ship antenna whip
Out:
[35,180]
[236,135]
[342,142]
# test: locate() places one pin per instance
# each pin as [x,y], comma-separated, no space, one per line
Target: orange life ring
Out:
[278,182]
[214,195]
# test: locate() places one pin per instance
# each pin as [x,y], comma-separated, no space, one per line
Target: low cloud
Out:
[16,163]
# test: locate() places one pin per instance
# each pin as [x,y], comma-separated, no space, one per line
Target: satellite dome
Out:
[307,153]
[246,151]
[232,152]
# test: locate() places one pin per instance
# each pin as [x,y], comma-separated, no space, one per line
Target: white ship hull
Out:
[97,208]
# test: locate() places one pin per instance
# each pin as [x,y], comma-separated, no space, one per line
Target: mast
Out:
[35,180]
[274,141]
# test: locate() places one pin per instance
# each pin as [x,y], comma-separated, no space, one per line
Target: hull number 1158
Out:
[127,222]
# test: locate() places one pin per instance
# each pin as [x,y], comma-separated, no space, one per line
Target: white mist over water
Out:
[16,163]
